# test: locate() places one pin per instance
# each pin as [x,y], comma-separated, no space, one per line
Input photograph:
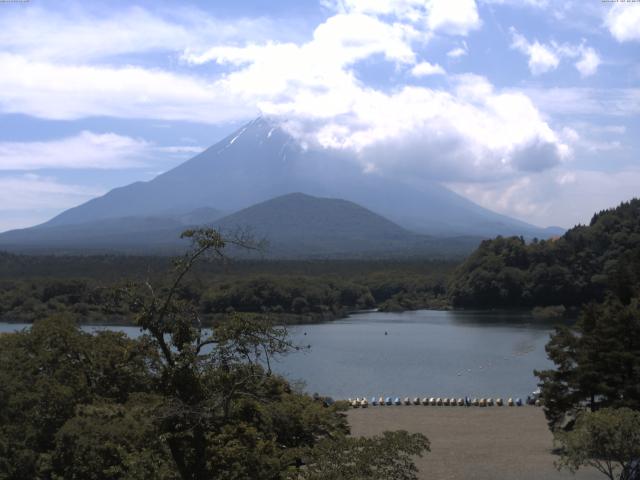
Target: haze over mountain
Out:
[257,163]
[298,225]
[294,226]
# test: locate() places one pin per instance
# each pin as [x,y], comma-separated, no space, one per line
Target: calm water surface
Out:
[424,353]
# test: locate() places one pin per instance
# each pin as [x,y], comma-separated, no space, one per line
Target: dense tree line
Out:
[311,291]
[579,267]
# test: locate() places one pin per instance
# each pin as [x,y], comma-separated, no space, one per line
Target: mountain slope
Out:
[261,161]
[126,234]
[294,225]
[299,225]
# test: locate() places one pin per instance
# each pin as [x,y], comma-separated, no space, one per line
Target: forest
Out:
[583,265]
[289,291]
[186,402]
[180,402]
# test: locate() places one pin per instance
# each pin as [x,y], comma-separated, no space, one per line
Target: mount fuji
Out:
[257,163]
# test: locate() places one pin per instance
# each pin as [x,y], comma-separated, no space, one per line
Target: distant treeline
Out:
[33,287]
[584,265]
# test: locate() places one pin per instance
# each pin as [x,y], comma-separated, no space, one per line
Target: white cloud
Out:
[544,58]
[29,199]
[518,3]
[557,197]
[588,63]
[541,58]
[623,21]
[455,18]
[471,130]
[457,52]
[424,69]
[617,102]
[72,35]
[341,40]
[438,16]
[62,92]
[180,149]
[86,150]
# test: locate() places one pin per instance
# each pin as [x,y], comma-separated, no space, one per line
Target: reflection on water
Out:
[422,353]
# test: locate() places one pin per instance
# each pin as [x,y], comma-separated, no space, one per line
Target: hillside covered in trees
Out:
[579,267]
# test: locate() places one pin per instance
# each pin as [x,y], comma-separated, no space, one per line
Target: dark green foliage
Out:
[180,402]
[298,295]
[399,291]
[46,372]
[81,287]
[607,440]
[112,441]
[385,457]
[579,267]
[597,362]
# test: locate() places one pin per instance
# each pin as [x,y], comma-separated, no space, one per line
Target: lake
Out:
[423,353]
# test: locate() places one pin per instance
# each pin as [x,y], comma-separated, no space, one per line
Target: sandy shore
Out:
[473,443]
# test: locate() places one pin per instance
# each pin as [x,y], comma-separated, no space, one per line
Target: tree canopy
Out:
[607,440]
[597,362]
[582,266]
[182,401]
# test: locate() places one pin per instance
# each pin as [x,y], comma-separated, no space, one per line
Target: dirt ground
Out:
[473,443]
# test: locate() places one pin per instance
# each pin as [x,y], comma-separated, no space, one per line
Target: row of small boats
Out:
[439,401]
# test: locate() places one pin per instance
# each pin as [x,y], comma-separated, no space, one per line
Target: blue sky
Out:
[530,108]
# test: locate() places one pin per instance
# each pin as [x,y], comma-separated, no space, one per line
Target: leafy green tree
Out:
[182,401]
[48,371]
[386,457]
[607,440]
[597,362]
[110,441]
[582,266]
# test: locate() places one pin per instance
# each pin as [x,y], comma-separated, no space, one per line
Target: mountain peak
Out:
[261,161]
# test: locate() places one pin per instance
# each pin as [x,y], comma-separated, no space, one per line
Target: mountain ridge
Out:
[260,162]
[295,225]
